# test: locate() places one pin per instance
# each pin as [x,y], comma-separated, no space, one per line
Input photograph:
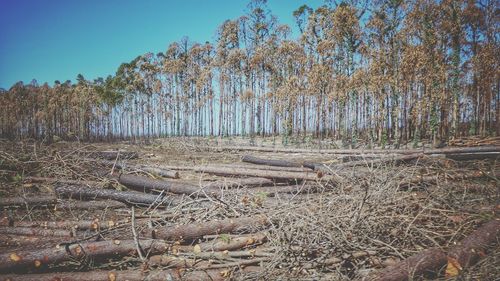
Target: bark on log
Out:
[67,224]
[129,275]
[239,182]
[468,251]
[39,200]
[219,244]
[270,162]
[34,231]
[267,168]
[428,262]
[147,184]
[37,258]
[127,197]
[279,175]
[197,230]
[361,151]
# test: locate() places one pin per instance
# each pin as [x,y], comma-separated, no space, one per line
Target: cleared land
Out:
[197,209]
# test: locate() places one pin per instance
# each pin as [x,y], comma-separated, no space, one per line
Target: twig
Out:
[137,245]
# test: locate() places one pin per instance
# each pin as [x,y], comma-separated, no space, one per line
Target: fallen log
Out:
[475,246]
[219,244]
[67,224]
[127,197]
[129,275]
[239,182]
[270,162]
[428,262]
[102,249]
[359,151]
[197,230]
[148,184]
[267,168]
[464,254]
[278,175]
[35,231]
[33,201]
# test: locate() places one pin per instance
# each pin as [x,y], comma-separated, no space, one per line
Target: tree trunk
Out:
[198,230]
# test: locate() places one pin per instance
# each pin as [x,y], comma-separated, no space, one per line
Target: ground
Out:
[373,217]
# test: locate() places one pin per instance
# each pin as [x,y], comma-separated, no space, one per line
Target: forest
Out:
[387,71]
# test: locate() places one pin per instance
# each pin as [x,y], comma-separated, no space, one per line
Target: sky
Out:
[50,40]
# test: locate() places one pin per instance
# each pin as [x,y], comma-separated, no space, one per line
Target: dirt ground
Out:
[373,218]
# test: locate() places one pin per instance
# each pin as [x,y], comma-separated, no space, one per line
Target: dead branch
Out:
[128,197]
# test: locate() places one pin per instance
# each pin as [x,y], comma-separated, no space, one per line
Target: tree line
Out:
[381,71]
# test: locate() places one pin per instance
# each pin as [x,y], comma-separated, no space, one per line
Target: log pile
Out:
[222,221]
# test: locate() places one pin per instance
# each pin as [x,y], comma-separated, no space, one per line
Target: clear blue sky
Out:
[52,40]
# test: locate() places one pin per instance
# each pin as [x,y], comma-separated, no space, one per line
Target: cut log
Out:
[264,167]
[359,151]
[37,258]
[240,182]
[127,197]
[278,175]
[129,275]
[148,184]
[67,224]
[428,262]
[198,230]
[34,231]
[468,251]
[34,201]
[219,244]
[270,162]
